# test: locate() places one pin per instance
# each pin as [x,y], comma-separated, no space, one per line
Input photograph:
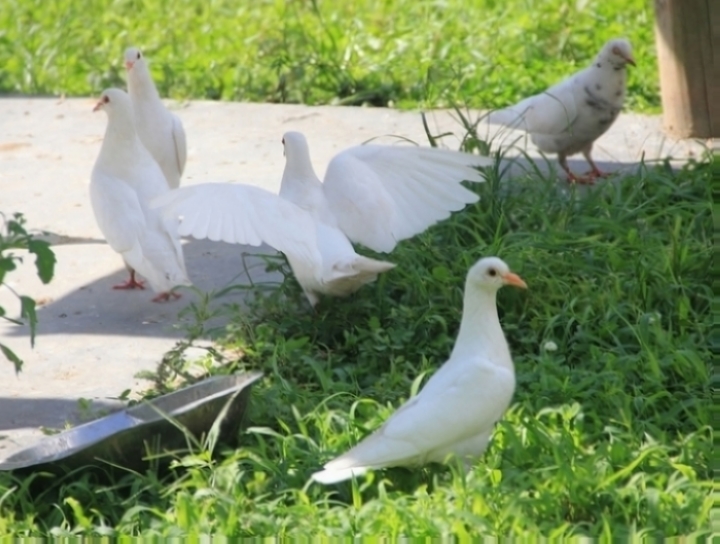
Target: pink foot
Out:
[595,173]
[132,283]
[166,296]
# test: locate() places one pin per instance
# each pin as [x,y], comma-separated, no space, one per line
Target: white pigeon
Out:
[379,195]
[160,130]
[569,116]
[321,257]
[375,195]
[454,414]
[124,180]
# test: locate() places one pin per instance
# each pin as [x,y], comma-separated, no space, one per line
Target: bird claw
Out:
[598,174]
[132,283]
[165,297]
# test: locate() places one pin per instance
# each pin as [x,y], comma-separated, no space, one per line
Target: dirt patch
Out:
[11,146]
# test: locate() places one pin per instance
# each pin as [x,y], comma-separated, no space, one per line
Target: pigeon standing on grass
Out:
[124,180]
[569,116]
[375,195]
[160,130]
[456,411]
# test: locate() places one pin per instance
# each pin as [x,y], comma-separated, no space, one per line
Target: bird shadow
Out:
[221,274]
[548,168]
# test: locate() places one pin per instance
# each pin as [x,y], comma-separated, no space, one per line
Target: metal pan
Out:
[128,437]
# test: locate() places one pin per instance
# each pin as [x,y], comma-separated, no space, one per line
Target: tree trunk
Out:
[687,33]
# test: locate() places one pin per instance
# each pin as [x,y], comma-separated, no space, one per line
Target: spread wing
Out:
[384,194]
[242,214]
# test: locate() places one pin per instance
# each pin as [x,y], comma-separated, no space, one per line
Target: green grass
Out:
[609,434]
[410,53]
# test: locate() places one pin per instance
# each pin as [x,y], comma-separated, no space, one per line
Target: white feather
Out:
[390,192]
[455,412]
[381,195]
[568,117]
[241,214]
[322,259]
[160,130]
[123,181]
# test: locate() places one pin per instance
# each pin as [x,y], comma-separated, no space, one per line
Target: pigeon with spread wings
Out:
[374,195]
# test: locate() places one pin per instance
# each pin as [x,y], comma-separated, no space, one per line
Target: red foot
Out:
[595,173]
[165,297]
[132,283]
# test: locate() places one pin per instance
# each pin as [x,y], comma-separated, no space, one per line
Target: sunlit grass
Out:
[609,430]
[482,53]
[608,434]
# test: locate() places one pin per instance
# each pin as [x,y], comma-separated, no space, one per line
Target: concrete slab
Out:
[92,340]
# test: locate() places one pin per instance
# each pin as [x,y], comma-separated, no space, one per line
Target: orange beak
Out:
[515,280]
[129,64]
[98,105]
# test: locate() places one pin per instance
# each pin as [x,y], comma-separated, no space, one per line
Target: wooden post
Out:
[687,34]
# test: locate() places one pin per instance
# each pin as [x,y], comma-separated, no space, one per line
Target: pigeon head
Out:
[295,145]
[617,52]
[132,56]
[491,273]
[114,100]
[297,154]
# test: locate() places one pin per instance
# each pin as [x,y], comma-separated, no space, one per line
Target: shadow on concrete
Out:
[548,166]
[98,309]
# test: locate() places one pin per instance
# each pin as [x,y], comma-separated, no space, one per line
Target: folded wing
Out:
[445,412]
[179,142]
[549,113]
[118,212]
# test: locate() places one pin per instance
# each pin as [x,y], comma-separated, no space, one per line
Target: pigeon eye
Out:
[492,272]
[106,99]
[139,55]
[283,141]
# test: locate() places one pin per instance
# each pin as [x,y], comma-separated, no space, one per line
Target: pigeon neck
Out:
[480,331]
[140,84]
[120,138]
[299,167]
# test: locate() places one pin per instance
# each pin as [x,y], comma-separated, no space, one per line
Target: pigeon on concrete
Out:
[374,195]
[454,414]
[160,130]
[124,180]
[569,116]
